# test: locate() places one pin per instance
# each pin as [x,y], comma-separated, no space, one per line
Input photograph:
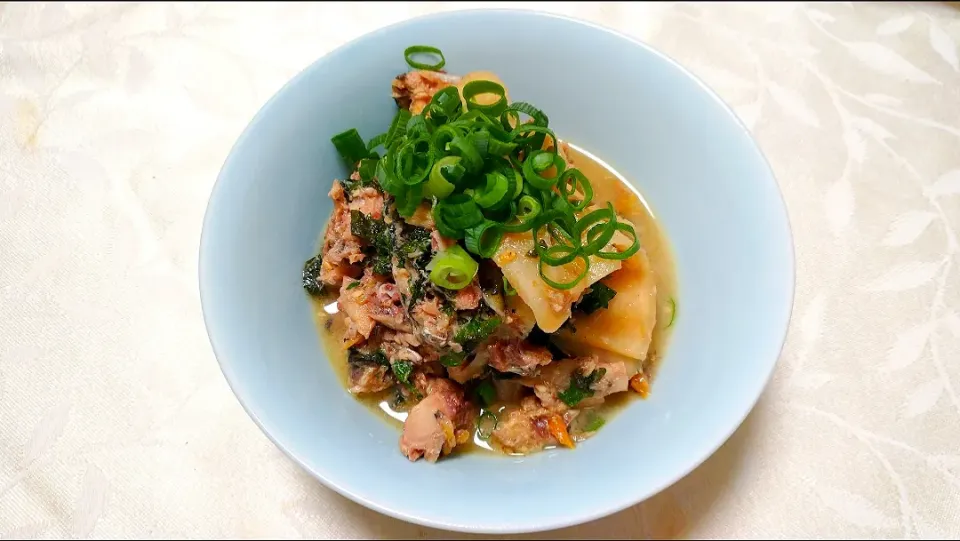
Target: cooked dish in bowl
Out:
[484,282]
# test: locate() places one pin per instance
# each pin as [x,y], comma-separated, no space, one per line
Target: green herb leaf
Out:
[417,289]
[364,226]
[416,242]
[474,331]
[353,285]
[382,264]
[447,308]
[377,234]
[359,357]
[311,276]
[599,297]
[453,358]
[580,386]
[367,170]
[402,370]
[487,392]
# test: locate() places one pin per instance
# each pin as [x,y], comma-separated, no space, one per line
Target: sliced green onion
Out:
[455,214]
[398,127]
[476,120]
[514,110]
[541,161]
[500,134]
[508,289]
[408,199]
[417,127]
[634,248]
[557,255]
[424,49]
[503,165]
[453,172]
[480,141]
[385,175]
[475,88]
[534,142]
[528,208]
[444,104]
[673,312]
[560,253]
[501,214]
[453,268]
[552,200]
[438,184]
[560,235]
[376,141]
[413,161]
[367,169]
[518,184]
[460,211]
[350,146]
[565,285]
[486,425]
[465,148]
[528,189]
[443,135]
[473,117]
[597,241]
[570,181]
[520,225]
[533,176]
[565,221]
[484,239]
[566,247]
[489,172]
[594,423]
[496,192]
[500,148]
[444,229]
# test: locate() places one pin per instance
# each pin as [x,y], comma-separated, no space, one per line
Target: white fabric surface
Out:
[115,420]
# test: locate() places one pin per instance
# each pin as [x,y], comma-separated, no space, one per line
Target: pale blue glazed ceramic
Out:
[622,101]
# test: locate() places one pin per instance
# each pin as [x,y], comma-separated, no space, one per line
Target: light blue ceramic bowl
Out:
[622,101]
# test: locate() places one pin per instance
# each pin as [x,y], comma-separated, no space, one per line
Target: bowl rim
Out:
[574,518]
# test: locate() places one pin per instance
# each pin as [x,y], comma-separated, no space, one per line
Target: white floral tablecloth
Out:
[115,420]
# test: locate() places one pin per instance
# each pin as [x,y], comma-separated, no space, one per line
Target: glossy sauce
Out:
[608,186]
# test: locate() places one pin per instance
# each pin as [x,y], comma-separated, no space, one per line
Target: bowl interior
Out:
[702,174]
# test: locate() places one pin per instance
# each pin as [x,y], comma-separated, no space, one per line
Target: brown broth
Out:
[608,185]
